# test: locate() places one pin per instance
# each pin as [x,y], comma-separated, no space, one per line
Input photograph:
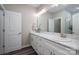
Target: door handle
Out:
[20,33]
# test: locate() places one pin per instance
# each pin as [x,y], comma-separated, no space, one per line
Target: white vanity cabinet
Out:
[45,47]
[40,47]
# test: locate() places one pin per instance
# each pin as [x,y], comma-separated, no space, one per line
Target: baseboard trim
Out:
[17,51]
[25,46]
[12,52]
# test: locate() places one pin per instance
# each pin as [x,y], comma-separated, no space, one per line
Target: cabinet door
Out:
[32,40]
[46,49]
[43,47]
[1,32]
[58,52]
[34,43]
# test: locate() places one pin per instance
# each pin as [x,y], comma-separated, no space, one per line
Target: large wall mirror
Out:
[60,19]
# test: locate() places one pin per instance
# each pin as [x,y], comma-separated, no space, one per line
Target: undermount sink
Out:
[57,37]
[61,39]
[64,40]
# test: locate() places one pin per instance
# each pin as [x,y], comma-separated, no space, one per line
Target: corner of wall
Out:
[26,46]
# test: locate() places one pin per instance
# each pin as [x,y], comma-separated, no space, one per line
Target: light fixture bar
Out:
[41,12]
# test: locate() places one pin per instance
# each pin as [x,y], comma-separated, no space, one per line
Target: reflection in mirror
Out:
[60,19]
[43,21]
[54,25]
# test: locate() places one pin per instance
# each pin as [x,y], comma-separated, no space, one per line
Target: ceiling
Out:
[68,7]
[56,8]
[72,8]
[34,5]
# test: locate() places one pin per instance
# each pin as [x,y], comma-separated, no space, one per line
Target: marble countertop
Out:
[68,42]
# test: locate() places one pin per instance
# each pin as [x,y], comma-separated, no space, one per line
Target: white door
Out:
[1,32]
[51,25]
[12,31]
[75,23]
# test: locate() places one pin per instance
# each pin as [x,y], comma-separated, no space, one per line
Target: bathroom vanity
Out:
[58,32]
[53,44]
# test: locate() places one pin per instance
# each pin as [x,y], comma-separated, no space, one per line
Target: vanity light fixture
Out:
[54,5]
[45,9]
[41,12]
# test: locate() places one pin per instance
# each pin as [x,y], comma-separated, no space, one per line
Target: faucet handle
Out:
[63,35]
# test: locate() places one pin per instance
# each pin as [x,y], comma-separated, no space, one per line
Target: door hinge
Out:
[3,30]
[3,14]
[3,46]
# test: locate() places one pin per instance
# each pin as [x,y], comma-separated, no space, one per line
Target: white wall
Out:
[27,20]
[75,23]
[42,21]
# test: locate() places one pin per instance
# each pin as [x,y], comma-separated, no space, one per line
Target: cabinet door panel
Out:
[46,49]
[43,49]
[57,52]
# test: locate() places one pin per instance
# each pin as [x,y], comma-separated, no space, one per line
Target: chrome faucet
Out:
[62,35]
